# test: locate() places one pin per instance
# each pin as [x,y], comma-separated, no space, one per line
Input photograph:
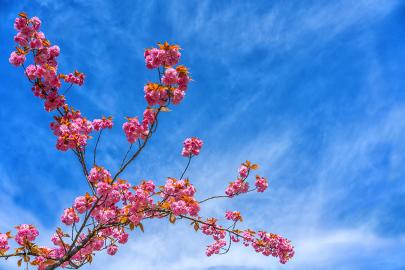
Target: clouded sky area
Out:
[313,91]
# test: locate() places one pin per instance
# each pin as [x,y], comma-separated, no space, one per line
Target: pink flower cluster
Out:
[261,183]
[70,216]
[243,171]
[83,203]
[135,130]
[26,233]
[156,94]
[104,239]
[28,36]
[17,59]
[103,123]
[215,247]
[237,187]
[179,197]
[191,147]
[114,206]
[166,55]
[4,243]
[72,130]
[179,76]
[233,215]
[262,242]
[210,227]
[43,73]
[175,79]
[240,185]
[74,78]
[98,174]
[274,245]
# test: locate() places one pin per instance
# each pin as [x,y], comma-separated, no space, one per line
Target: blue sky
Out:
[311,90]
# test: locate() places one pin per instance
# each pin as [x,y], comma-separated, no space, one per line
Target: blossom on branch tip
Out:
[70,216]
[261,183]
[237,187]
[243,171]
[134,130]
[98,174]
[233,215]
[166,55]
[103,123]
[74,78]
[191,147]
[4,243]
[112,249]
[17,59]
[26,233]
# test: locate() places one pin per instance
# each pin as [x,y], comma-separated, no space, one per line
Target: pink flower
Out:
[170,76]
[112,249]
[26,233]
[98,243]
[54,51]
[75,78]
[72,130]
[274,245]
[103,123]
[179,193]
[36,43]
[70,216]
[236,188]
[21,39]
[152,59]
[4,243]
[134,130]
[123,238]
[215,248]
[155,94]
[183,77]
[42,58]
[20,23]
[53,101]
[179,208]
[34,72]
[235,215]
[170,55]
[261,183]
[243,171]
[192,147]
[36,23]
[83,203]
[149,116]
[177,96]
[97,174]
[167,55]
[16,59]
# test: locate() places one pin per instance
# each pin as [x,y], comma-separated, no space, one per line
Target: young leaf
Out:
[172,218]
[141,227]
[23,15]
[254,167]
[165,109]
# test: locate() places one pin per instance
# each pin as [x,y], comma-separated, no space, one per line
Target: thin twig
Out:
[95,147]
[188,164]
